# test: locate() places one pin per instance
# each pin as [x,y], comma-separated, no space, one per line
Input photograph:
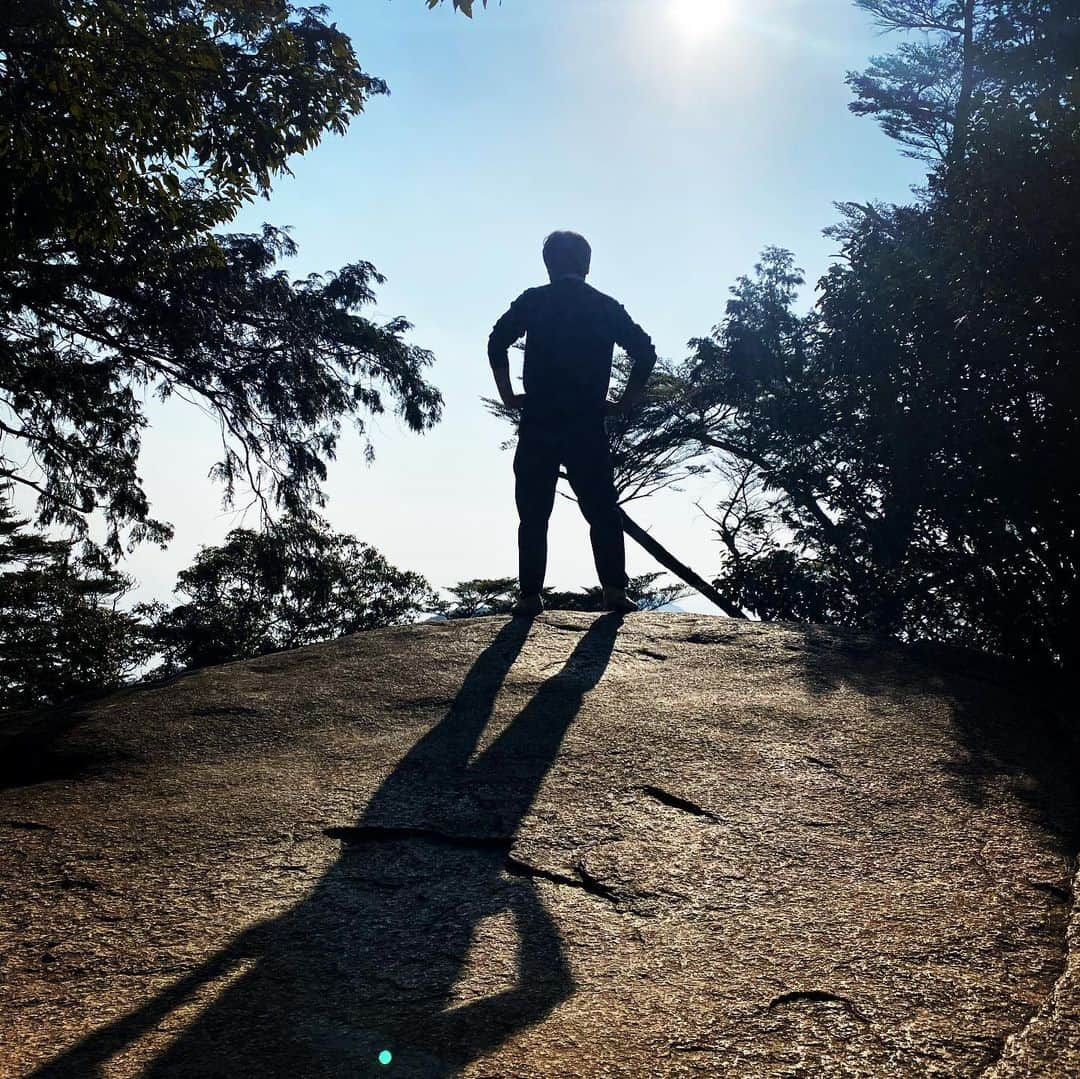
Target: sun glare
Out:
[695,19]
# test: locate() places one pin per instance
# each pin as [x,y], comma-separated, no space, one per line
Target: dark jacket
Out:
[570,332]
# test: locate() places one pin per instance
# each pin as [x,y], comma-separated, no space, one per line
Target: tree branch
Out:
[680,569]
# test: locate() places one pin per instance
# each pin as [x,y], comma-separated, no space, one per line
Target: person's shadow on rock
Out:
[370,961]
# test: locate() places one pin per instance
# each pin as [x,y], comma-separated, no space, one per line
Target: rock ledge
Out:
[674,846]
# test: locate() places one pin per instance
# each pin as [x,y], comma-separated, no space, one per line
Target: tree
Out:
[481,597]
[742,399]
[971,63]
[64,628]
[129,134]
[643,590]
[899,459]
[909,442]
[295,582]
[766,569]
[924,92]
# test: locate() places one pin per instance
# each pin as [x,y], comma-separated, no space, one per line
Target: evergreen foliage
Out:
[902,458]
[130,134]
[63,626]
[294,583]
[496,596]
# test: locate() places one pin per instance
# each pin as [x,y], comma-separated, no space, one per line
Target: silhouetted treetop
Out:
[961,63]
[63,624]
[128,134]
[496,596]
[464,6]
[293,583]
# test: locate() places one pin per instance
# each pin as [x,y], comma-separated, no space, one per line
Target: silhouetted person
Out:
[570,332]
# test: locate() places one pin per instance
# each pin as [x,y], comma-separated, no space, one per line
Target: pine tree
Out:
[63,627]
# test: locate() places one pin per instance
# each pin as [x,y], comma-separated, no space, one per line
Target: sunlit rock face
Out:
[668,846]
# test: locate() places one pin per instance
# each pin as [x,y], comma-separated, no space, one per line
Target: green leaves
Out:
[129,134]
[294,583]
[897,459]
[64,628]
[464,6]
[900,458]
[961,63]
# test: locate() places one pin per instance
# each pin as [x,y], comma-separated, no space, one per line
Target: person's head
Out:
[567,253]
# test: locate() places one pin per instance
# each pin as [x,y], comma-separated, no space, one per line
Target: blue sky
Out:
[680,136]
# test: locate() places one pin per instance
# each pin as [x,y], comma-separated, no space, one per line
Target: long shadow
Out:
[375,959]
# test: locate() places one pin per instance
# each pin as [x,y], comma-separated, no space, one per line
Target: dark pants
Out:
[583,450]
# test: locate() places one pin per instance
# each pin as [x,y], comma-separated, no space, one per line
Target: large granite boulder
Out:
[667,846]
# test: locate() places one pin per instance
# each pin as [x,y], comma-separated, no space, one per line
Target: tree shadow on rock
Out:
[376,958]
[33,749]
[1007,726]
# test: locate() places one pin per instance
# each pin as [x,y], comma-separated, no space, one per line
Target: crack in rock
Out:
[584,880]
[692,808]
[817,996]
[673,800]
[68,884]
[1058,891]
[709,638]
[28,825]
[649,653]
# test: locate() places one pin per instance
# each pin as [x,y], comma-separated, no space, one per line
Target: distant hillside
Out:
[672,846]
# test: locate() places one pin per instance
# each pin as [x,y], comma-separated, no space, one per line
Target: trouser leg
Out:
[588,467]
[536,474]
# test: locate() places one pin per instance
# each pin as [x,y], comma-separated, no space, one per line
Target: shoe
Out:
[616,599]
[528,607]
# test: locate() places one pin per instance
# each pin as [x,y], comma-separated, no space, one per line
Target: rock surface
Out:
[674,846]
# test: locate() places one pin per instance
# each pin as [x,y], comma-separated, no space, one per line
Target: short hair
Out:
[566,253]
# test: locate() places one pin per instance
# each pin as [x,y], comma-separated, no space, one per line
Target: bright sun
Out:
[695,19]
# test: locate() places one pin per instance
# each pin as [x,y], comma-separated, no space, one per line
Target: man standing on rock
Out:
[570,332]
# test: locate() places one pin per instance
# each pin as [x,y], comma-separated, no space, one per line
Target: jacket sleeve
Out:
[638,345]
[510,328]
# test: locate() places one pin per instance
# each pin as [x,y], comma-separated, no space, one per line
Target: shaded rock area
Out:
[672,845]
